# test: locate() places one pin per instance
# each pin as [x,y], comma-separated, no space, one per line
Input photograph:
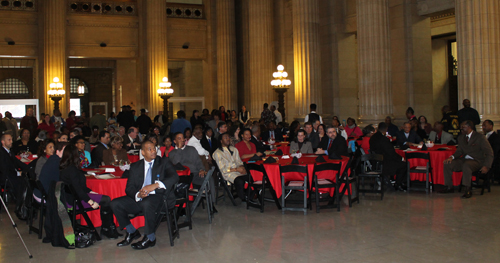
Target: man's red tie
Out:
[329,144]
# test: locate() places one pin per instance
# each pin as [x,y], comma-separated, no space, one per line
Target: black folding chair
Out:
[375,173]
[37,208]
[348,178]
[78,209]
[227,187]
[293,186]
[204,192]
[481,181]
[262,184]
[326,183]
[427,170]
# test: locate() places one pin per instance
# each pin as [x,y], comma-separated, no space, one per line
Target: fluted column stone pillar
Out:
[226,55]
[261,50]
[156,52]
[54,52]
[374,60]
[478,43]
[307,56]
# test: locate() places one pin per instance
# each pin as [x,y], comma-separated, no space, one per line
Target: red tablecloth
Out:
[133,158]
[114,188]
[273,171]
[437,159]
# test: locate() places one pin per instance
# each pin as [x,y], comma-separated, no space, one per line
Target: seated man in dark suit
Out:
[104,138]
[130,140]
[335,147]
[272,132]
[149,180]
[474,153]
[408,137]
[392,163]
[494,140]
[311,135]
[10,166]
[438,135]
[261,147]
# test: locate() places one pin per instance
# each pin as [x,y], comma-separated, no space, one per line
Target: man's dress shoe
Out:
[144,243]
[447,190]
[468,194]
[129,238]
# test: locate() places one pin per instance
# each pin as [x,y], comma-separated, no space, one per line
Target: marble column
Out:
[478,43]
[307,56]
[156,52]
[226,55]
[261,50]
[374,60]
[54,53]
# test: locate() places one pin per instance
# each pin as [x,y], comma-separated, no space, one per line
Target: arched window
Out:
[74,83]
[14,88]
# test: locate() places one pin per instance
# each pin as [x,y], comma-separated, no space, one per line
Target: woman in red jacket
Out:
[47,126]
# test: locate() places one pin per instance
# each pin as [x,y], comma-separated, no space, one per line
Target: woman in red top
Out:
[71,120]
[47,126]
[223,113]
[246,148]
[368,131]
[352,129]
[167,144]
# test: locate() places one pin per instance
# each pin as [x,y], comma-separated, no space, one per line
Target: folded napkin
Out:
[320,159]
[270,160]
[255,158]
[450,143]
[442,149]
[404,147]
[424,147]
[279,152]
[179,167]
[334,156]
[295,160]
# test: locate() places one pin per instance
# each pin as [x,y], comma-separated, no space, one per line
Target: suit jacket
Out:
[478,148]
[494,141]
[163,170]
[97,154]
[278,137]
[445,137]
[259,145]
[211,149]
[380,144]
[9,165]
[306,147]
[126,140]
[412,137]
[338,148]
[314,139]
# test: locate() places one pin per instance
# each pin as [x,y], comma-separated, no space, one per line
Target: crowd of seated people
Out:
[222,138]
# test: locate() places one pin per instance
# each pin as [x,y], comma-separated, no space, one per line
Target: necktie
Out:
[210,142]
[272,135]
[466,139]
[329,144]
[147,181]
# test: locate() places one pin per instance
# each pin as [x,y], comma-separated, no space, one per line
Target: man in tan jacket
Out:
[473,153]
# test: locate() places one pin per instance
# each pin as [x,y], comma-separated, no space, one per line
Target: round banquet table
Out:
[273,171]
[114,188]
[283,146]
[437,158]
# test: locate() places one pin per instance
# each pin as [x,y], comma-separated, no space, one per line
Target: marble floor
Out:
[402,228]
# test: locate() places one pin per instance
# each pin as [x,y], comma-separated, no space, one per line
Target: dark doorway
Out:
[452,74]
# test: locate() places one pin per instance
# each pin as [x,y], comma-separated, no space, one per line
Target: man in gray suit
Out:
[473,153]
[438,135]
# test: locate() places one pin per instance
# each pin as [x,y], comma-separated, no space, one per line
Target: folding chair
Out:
[262,184]
[227,187]
[293,185]
[326,183]
[348,179]
[78,209]
[37,208]
[203,192]
[375,173]
[419,169]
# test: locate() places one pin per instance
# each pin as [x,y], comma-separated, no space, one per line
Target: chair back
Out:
[293,168]
[413,155]
[255,167]
[372,162]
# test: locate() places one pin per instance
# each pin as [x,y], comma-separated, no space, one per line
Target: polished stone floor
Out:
[402,228]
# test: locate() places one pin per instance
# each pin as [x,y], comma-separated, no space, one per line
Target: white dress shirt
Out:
[197,145]
[160,183]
